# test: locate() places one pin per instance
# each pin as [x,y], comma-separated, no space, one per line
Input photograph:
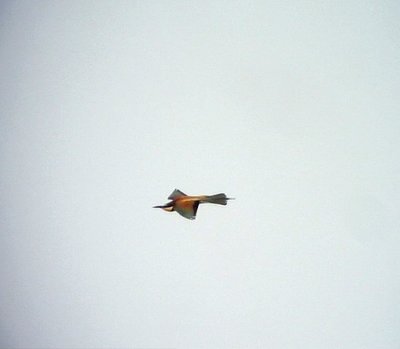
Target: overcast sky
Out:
[291,107]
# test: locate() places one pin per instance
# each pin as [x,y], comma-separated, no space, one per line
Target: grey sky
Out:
[291,107]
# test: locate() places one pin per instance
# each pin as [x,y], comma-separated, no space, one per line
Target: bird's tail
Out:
[219,199]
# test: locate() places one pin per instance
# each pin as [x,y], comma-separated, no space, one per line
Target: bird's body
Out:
[187,205]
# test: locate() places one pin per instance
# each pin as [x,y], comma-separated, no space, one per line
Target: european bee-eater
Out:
[187,205]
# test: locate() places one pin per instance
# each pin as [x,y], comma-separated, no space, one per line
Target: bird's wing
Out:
[188,209]
[176,194]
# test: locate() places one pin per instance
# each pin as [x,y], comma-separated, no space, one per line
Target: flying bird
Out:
[187,205]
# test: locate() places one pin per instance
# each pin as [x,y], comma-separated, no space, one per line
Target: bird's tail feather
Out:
[219,199]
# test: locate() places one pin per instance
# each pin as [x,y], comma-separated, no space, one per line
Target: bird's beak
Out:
[166,207]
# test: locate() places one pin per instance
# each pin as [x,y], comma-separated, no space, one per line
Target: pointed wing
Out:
[188,209]
[176,194]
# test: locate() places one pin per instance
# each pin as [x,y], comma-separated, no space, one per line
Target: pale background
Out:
[292,107]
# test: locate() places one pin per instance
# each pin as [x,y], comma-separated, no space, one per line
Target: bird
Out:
[187,205]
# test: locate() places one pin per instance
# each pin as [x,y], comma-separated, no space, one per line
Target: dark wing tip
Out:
[175,194]
[195,207]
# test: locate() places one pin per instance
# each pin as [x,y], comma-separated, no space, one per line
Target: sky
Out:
[291,107]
